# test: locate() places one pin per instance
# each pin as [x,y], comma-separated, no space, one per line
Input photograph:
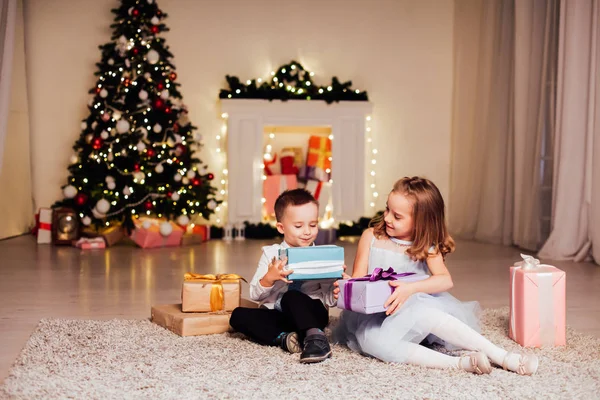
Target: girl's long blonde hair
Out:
[428,218]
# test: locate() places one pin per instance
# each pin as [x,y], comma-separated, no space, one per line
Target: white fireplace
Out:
[246,120]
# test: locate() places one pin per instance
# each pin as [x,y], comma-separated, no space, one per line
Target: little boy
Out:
[293,315]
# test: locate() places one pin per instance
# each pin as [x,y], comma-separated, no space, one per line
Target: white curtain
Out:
[8,16]
[576,201]
[502,68]
[16,205]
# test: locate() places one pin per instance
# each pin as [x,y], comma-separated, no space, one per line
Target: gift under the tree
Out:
[196,234]
[537,304]
[314,262]
[90,243]
[367,295]
[210,293]
[273,186]
[149,233]
[171,317]
[44,226]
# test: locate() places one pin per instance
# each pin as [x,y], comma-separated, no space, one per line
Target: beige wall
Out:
[400,51]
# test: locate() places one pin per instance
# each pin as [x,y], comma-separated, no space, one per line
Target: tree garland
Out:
[291,82]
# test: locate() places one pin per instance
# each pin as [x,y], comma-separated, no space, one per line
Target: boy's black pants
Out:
[298,313]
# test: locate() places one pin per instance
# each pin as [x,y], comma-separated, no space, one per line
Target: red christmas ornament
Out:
[136,167]
[172,76]
[81,199]
[169,194]
[154,29]
[150,153]
[98,89]
[158,12]
[148,205]
[135,51]
[179,150]
[158,103]
[126,82]
[176,127]
[196,182]
[135,12]
[97,143]
[210,177]
[168,110]
[160,86]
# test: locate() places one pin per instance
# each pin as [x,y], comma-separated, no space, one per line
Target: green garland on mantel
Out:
[291,82]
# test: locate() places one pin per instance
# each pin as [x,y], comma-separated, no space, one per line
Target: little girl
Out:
[411,236]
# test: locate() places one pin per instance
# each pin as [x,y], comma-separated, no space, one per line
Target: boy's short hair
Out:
[295,197]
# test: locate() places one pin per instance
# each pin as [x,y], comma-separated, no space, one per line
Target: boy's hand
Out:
[402,292]
[336,284]
[276,273]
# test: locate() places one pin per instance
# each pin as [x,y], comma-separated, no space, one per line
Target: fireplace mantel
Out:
[246,120]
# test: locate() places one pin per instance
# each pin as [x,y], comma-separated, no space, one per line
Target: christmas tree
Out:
[135,154]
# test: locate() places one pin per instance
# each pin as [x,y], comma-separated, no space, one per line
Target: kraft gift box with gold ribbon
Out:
[210,293]
[537,304]
[171,317]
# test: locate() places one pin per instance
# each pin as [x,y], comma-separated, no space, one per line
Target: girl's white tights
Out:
[449,329]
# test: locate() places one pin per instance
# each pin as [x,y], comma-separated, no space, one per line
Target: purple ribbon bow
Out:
[378,274]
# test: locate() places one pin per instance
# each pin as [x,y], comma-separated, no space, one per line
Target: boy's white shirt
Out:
[267,296]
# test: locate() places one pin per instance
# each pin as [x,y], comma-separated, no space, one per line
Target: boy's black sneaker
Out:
[289,342]
[316,349]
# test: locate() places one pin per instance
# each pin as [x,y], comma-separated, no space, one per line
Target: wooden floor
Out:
[123,281]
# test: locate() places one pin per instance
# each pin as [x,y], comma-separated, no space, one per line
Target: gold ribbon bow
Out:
[217,295]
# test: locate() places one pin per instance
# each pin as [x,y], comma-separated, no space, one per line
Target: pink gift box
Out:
[150,236]
[273,186]
[537,304]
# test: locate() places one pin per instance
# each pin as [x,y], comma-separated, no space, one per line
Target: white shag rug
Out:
[135,359]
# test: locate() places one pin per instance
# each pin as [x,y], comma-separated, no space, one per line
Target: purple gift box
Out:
[326,236]
[367,295]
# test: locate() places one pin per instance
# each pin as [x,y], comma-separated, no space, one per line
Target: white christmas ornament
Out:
[175,196]
[157,128]
[146,224]
[84,125]
[122,39]
[152,56]
[211,205]
[143,95]
[97,214]
[102,206]
[111,61]
[185,181]
[110,157]
[147,75]
[141,146]
[69,191]
[159,169]
[164,94]
[155,20]
[103,93]
[111,185]
[177,177]
[122,126]
[74,159]
[191,173]
[86,220]
[109,179]
[129,10]
[94,124]
[166,229]
[116,115]
[150,1]
[104,135]
[183,220]
[139,176]
[126,191]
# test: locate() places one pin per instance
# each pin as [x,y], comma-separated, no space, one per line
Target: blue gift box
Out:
[314,262]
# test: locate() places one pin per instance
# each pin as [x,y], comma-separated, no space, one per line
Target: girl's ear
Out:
[279,227]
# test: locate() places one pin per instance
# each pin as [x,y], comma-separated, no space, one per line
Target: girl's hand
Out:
[336,284]
[402,292]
